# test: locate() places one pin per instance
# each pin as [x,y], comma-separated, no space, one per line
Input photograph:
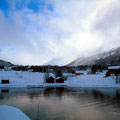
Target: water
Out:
[64,103]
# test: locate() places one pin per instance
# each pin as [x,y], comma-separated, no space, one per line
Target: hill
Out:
[108,58]
[5,63]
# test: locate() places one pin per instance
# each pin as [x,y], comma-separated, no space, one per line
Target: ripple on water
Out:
[65,103]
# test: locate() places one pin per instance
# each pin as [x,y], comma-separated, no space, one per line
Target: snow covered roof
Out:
[114,67]
[51,75]
[58,77]
[78,71]
[29,66]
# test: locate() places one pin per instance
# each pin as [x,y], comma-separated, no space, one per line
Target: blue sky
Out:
[34,5]
[16,5]
[57,31]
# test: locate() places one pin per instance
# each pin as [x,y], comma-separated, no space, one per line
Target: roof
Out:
[114,67]
[29,66]
[78,71]
[51,75]
[58,77]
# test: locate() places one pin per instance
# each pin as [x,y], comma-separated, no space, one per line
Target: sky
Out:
[39,32]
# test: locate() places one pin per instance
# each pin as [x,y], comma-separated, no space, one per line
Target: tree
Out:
[58,72]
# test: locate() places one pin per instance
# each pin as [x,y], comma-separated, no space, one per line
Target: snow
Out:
[12,113]
[21,79]
[36,79]
[78,71]
[25,79]
[114,67]
[94,80]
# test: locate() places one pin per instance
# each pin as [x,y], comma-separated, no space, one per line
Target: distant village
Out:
[57,74]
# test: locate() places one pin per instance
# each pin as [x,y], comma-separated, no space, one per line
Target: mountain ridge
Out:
[5,63]
[111,57]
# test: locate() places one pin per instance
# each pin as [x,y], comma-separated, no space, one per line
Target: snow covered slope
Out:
[106,58]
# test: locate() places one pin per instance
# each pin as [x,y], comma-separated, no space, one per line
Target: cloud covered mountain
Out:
[111,57]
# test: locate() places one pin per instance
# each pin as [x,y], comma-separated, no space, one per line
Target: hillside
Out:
[111,57]
[3,63]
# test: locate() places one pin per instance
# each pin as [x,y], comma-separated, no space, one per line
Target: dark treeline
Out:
[50,68]
[47,68]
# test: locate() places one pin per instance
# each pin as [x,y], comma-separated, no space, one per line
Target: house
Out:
[59,80]
[91,72]
[114,70]
[50,80]
[79,73]
[5,81]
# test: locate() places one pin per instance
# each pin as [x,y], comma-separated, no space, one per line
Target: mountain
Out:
[5,63]
[111,57]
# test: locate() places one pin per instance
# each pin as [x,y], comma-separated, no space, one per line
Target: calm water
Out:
[65,103]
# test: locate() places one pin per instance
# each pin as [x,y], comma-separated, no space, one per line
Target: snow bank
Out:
[11,113]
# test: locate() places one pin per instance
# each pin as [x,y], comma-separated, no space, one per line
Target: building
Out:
[114,70]
[59,80]
[50,80]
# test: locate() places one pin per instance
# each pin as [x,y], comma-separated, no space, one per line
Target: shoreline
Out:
[59,85]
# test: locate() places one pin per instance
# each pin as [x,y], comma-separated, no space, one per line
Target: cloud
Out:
[108,25]
[59,31]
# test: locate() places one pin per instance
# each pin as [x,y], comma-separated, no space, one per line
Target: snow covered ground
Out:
[36,79]
[24,79]
[21,79]
[11,113]
[92,80]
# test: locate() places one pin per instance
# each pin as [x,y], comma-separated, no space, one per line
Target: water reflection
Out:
[57,91]
[63,103]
